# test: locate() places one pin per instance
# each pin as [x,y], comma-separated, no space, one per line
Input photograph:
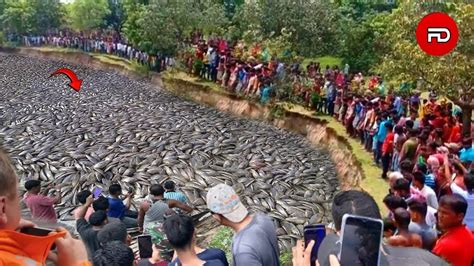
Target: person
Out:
[361,203]
[392,203]
[22,249]
[179,230]
[456,245]
[81,197]
[114,231]
[162,252]
[418,224]
[408,151]
[228,210]
[153,212]
[117,208]
[171,192]
[403,237]
[427,192]
[41,206]
[387,149]
[102,204]
[468,195]
[114,253]
[403,189]
[88,230]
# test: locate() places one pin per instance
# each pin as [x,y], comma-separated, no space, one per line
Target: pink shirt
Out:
[89,211]
[41,207]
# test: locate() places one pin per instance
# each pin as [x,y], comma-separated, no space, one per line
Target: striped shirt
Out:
[176,196]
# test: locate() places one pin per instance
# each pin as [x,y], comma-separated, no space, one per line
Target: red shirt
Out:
[41,207]
[387,146]
[456,246]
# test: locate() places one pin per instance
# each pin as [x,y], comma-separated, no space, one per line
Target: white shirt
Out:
[430,196]
[469,217]
[430,216]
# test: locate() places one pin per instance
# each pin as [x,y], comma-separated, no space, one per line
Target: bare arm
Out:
[141,214]
[83,209]
[179,204]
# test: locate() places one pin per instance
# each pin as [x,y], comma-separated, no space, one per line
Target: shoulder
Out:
[214,263]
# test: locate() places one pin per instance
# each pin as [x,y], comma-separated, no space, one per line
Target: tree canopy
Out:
[87,15]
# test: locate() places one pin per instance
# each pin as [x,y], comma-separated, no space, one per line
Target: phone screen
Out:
[317,233]
[145,246]
[361,240]
[97,191]
[37,231]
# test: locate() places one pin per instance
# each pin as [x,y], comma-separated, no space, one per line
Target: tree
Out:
[116,17]
[86,15]
[450,75]
[17,17]
[48,15]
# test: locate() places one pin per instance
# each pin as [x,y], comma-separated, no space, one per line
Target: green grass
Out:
[324,61]
[223,240]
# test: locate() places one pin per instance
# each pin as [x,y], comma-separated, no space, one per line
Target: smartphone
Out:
[145,246]
[315,232]
[97,192]
[37,231]
[361,240]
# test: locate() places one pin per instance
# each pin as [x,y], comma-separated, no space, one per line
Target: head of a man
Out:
[115,190]
[353,202]
[33,186]
[114,253]
[418,180]
[451,211]
[393,202]
[402,188]
[392,177]
[402,218]
[225,205]
[113,231]
[101,204]
[169,185]
[157,190]
[469,182]
[9,198]
[83,195]
[179,230]
[418,210]
[98,218]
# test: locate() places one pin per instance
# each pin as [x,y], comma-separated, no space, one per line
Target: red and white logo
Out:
[437,34]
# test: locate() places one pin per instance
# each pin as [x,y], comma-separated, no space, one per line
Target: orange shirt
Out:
[20,249]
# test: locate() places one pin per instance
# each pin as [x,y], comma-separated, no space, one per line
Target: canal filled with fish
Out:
[119,130]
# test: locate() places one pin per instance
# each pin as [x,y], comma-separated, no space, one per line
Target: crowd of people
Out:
[419,229]
[105,43]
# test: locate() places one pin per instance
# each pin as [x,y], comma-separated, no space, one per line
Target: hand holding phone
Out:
[316,233]
[97,192]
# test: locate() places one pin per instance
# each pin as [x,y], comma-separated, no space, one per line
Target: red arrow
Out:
[75,82]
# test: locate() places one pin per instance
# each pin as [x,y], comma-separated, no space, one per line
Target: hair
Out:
[398,130]
[413,132]
[455,202]
[402,184]
[100,204]
[114,231]
[98,218]
[179,230]
[422,168]
[8,178]
[114,253]
[83,195]
[169,185]
[353,202]
[419,177]
[406,166]
[469,182]
[402,218]
[157,190]
[115,189]
[389,126]
[409,124]
[419,207]
[30,184]
[393,202]
[388,225]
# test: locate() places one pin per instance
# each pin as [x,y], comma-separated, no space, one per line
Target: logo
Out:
[437,34]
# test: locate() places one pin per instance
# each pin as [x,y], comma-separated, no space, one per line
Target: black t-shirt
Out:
[212,257]
[88,236]
[391,256]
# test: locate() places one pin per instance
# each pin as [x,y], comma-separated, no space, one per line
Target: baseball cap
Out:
[222,199]
[31,184]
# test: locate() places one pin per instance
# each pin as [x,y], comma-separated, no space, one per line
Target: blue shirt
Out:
[382,132]
[429,181]
[466,155]
[116,208]
[214,255]
[176,196]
